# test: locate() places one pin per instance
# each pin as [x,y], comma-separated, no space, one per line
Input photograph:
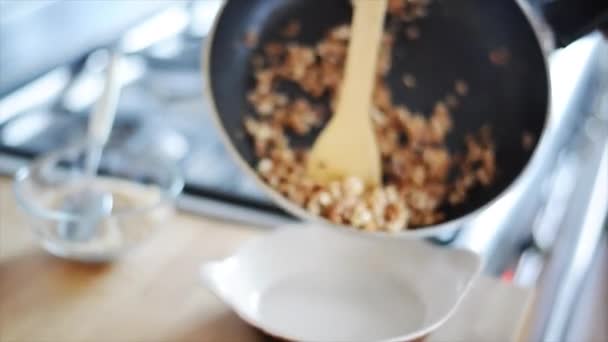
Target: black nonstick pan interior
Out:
[455,42]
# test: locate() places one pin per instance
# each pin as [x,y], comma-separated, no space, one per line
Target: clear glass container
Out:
[142,191]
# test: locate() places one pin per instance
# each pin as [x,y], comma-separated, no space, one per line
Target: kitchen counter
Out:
[152,294]
[45,299]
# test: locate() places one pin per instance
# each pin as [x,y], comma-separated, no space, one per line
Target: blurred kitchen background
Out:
[549,232]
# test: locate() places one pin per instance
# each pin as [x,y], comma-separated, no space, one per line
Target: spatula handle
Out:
[102,117]
[361,62]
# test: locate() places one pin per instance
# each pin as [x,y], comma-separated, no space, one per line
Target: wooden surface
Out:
[153,294]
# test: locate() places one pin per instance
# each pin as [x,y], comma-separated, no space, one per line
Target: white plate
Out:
[311,284]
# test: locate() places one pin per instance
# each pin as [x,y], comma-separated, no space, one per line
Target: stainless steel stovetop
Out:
[553,217]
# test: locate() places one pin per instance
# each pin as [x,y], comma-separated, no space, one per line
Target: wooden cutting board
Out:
[154,294]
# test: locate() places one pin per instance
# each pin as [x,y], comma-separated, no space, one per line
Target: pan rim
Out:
[536,23]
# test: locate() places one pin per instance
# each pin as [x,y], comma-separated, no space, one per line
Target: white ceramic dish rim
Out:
[207,268]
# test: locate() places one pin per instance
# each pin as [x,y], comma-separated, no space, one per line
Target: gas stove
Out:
[162,111]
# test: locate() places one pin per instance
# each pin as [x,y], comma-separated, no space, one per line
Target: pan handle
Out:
[571,19]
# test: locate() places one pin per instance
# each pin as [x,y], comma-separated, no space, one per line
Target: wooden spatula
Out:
[347,145]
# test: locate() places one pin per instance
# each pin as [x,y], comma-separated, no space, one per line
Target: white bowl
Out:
[311,284]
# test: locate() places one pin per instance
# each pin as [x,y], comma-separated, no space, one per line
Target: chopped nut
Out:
[274,51]
[409,81]
[396,217]
[500,56]
[396,6]
[353,186]
[325,198]
[297,61]
[361,216]
[452,101]
[301,117]
[412,32]
[334,213]
[264,81]
[292,29]
[382,97]
[527,141]
[421,12]
[440,122]
[420,200]
[437,161]
[408,10]
[265,166]
[332,51]
[461,87]
[341,32]
[335,190]
[418,175]
[313,207]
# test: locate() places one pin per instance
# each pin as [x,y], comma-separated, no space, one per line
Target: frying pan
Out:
[456,39]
